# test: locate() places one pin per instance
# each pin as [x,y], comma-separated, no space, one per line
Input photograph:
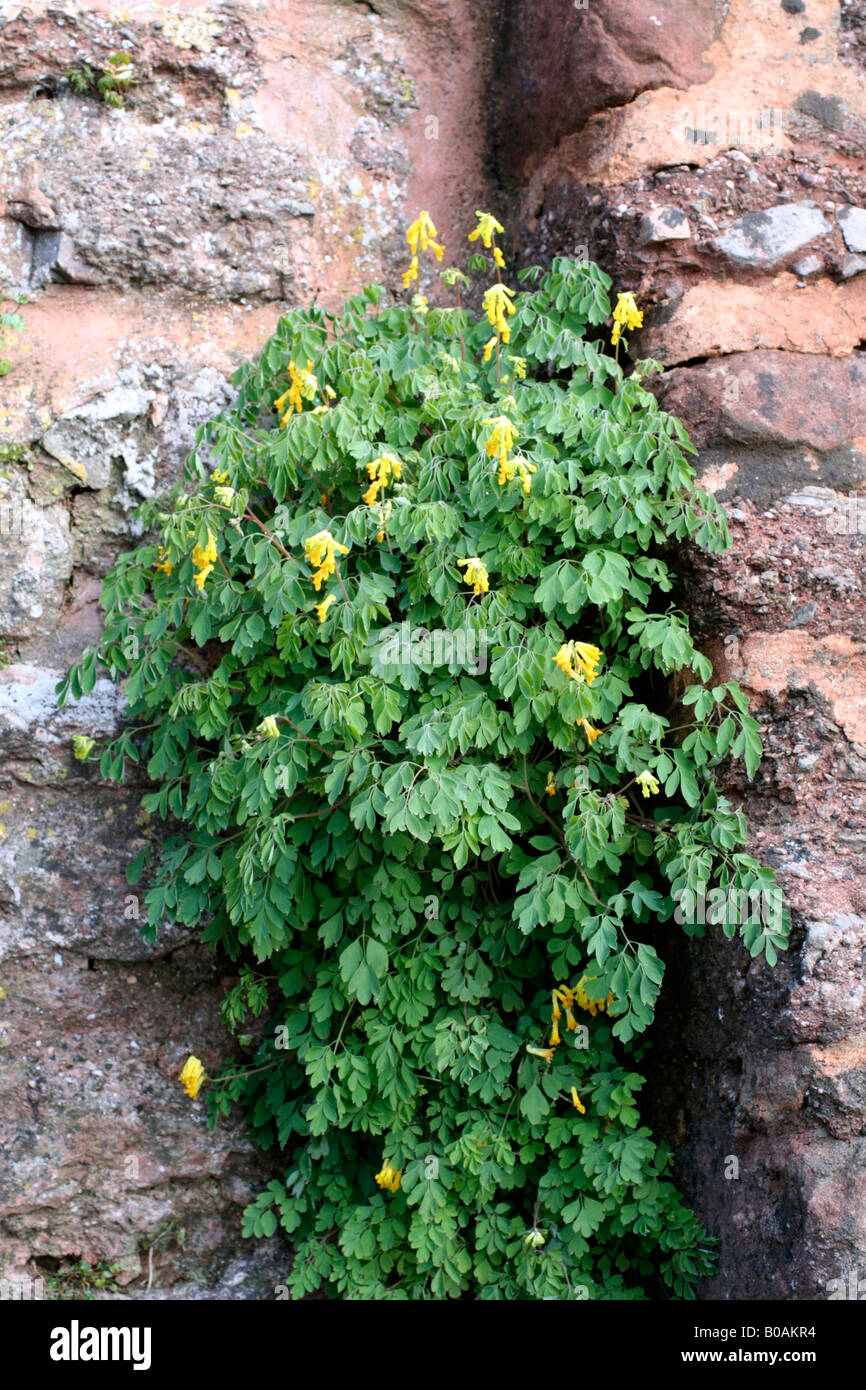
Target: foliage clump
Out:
[108,84]
[401,666]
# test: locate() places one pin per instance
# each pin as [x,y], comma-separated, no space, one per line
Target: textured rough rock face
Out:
[264,155]
[565,63]
[760,318]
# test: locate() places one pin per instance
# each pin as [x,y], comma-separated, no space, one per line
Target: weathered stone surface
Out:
[779,397]
[713,319]
[809,265]
[764,239]
[564,63]
[16,257]
[30,206]
[851,266]
[108,1160]
[35,734]
[663,224]
[106,430]
[833,668]
[35,559]
[852,220]
[765,91]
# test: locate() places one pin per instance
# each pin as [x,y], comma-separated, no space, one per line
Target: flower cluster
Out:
[420,236]
[497,305]
[625,315]
[381,470]
[388,1177]
[204,559]
[487,228]
[518,466]
[592,1006]
[567,997]
[268,728]
[476,574]
[579,660]
[502,437]
[302,387]
[319,552]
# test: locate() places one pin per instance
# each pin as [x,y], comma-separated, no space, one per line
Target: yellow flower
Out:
[204,559]
[496,305]
[381,471]
[219,475]
[487,228]
[322,608]
[551,785]
[205,555]
[563,659]
[525,469]
[546,1053]
[476,574]
[625,315]
[224,495]
[579,660]
[502,437]
[161,564]
[567,997]
[592,1006]
[192,1076]
[82,747]
[554,1035]
[302,387]
[268,727]
[385,511]
[519,367]
[576,1101]
[319,552]
[648,784]
[498,257]
[489,347]
[389,1177]
[588,658]
[591,733]
[420,234]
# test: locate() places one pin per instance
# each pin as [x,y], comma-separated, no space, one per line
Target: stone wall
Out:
[731,198]
[710,156]
[266,154]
